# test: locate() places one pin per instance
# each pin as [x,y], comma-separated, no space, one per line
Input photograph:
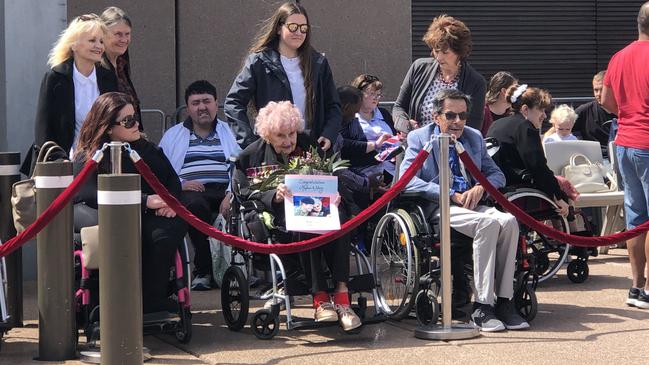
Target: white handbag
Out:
[587,177]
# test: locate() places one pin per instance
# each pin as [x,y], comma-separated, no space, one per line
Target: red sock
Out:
[341,298]
[319,297]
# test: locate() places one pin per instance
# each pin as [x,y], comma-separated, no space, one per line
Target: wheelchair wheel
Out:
[578,270]
[395,264]
[427,307]
[235,298]
[264,325]
[549,255]
[184,331]
[526,302]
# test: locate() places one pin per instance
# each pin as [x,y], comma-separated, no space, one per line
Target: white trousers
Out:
[495,240]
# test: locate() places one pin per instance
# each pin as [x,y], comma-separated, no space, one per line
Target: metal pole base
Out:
[94,356]
[457,331]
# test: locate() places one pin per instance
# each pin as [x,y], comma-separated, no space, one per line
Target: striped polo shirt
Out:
[205,160]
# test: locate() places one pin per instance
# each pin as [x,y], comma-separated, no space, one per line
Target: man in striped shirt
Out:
[199,149]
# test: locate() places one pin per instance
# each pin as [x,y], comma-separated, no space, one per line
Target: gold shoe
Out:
[348,318]
[325,312]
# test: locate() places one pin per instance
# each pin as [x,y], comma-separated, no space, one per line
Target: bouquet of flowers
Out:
[310,163]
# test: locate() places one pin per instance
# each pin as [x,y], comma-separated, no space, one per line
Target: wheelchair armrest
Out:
[412,195]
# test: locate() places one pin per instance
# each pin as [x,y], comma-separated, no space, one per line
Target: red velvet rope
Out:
[287,248]
[46,217]
[579,241]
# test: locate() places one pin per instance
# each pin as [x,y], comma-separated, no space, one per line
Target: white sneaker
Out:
[201,283]
[347,317]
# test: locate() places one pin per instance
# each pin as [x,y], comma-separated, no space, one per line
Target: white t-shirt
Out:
[86,92]
[554,137]
[296,80]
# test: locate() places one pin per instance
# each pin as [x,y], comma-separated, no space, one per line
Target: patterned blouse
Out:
[438,84]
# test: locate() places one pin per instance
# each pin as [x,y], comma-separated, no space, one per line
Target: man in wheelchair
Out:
[494,233]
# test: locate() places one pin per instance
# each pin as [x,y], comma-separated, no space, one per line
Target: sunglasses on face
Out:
[293,27]
[450,116]
[128,122]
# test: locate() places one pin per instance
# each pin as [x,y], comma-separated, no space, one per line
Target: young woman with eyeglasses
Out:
[72,84]
[282,65]
[113,118]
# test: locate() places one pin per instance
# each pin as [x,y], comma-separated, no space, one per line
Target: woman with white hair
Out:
[71,85]
[280,126]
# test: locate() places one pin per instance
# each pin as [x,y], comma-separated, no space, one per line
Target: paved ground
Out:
[577,323]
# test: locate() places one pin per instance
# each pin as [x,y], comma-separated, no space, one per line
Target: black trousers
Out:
[203,205]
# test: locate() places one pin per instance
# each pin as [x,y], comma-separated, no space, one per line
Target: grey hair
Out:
[643,18]
[452,94]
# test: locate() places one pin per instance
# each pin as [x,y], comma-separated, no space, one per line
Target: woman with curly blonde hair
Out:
[450,42]
[72,83]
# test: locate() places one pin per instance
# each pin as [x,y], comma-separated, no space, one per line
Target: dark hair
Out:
[307,200]
[500,80]
[364,81]
[200,87]
[349,95]
[643,18]
[531,96]
[102,115]
[268,38]
[446,32]
[450,94]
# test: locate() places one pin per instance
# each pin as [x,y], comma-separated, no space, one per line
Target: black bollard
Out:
[57,335]
[120,265]
[9,174]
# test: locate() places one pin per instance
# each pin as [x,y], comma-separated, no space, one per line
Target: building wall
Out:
[177,42]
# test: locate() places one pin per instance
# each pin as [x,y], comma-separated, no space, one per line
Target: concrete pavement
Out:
[576,323]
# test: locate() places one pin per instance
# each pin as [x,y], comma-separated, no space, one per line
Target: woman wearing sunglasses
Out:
[72,84]
[113,118]
[282,65]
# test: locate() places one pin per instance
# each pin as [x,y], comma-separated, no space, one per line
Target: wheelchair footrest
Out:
[361,283]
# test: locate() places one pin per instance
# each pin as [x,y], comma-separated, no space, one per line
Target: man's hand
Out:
[457,199]
[155,202]
[324,143]
[281,192]
[193,185]
[471,197]
[165,212]
[224,208]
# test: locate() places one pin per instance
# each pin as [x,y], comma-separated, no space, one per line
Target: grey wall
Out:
[213,36]
[23,57]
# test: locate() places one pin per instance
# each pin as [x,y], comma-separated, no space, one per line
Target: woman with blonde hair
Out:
[72,84]
[116,57]
[282,65]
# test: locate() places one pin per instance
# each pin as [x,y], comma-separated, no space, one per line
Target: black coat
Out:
[355,143]
[55,119]
[415,86]
[263,80]
[127,73]
[151,154]
[521,153]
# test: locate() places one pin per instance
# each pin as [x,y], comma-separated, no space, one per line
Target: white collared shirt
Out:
[375,127]
[86,92]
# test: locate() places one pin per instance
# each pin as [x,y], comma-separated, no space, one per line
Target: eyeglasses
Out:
[453,116]
[128,122]
[374,95]
[293,27]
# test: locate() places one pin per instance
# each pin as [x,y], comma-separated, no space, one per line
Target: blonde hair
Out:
[561,115]
[277,115]
[83,24]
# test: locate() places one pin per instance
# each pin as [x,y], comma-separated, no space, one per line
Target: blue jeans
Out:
[634,168]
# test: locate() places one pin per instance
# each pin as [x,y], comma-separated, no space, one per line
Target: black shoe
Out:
[643,300]
[506,312]
[484,318]
[633,296]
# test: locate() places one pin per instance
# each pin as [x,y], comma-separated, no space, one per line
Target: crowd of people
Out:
[87,98]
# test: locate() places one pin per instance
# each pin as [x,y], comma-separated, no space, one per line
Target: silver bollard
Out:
[9,174]
[57,332]
[448,330]
[120,266]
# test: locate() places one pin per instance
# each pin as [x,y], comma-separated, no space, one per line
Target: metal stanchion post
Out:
[9,174]
[120,249]
[448,330]
[57,338]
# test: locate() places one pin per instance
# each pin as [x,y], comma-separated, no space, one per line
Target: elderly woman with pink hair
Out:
[281,128]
